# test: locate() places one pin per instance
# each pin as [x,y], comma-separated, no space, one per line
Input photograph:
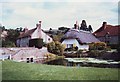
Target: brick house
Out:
[108,33]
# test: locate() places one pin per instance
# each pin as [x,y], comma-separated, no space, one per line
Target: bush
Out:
[56,48]
[50,55]
[8,44]
[96,53]
[97,46]
[72,49]
[108,48]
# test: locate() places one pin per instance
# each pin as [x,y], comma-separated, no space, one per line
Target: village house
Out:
[35,33]
[108,33]
[78,38]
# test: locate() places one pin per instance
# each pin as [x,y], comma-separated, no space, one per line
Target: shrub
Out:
[108,48]
[97,46]
[8,44]
[50,55]
[96,53]
[56,48]
[51,47]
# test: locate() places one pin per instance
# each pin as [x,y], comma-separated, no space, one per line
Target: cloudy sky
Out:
[56,13]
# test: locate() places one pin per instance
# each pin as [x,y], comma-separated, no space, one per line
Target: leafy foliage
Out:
[97,46]
[57,37]
[56,48]
[8,44]
[12,35]
[96,53]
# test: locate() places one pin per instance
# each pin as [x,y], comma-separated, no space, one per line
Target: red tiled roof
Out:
[112,30]
[28,33]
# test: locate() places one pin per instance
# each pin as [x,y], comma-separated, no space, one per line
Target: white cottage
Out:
[23,39]
[78,38]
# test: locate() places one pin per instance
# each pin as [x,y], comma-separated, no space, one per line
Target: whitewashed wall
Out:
[39,33]
[36,34]
[74,41]
[46,37]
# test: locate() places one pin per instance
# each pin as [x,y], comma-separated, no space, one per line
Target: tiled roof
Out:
[81,36]
[112,30]
[28,33]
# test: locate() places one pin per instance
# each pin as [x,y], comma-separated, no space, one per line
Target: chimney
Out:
[40,24]
[76,25]
[104,25]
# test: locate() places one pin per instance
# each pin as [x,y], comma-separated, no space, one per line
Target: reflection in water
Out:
[65,62]
[61,61]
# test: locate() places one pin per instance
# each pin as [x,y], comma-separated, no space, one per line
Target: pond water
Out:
[84,62]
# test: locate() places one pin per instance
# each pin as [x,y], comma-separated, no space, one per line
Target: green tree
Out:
[12,35]
[97,46]
[57,37]
[8,43]
[56,48]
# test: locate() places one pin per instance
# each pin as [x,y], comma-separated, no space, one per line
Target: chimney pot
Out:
[40,22]
[104,25]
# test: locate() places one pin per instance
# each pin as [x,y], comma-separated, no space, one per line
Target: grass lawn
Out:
[30,71]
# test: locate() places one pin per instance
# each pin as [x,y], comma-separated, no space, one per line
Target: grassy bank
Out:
[30,71]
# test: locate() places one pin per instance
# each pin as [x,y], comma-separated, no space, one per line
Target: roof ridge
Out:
[28,33]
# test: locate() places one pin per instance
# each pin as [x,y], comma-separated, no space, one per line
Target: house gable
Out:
[108,33]
[36,34]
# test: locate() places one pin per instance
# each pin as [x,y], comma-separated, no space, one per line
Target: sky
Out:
[57,13]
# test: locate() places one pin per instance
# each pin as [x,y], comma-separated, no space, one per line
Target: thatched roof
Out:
[81,36]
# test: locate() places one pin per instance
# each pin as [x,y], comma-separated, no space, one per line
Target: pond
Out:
[85,62]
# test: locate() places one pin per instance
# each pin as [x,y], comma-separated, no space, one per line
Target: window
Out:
[27,60]
[69,45]
[31,60]
[48,39]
